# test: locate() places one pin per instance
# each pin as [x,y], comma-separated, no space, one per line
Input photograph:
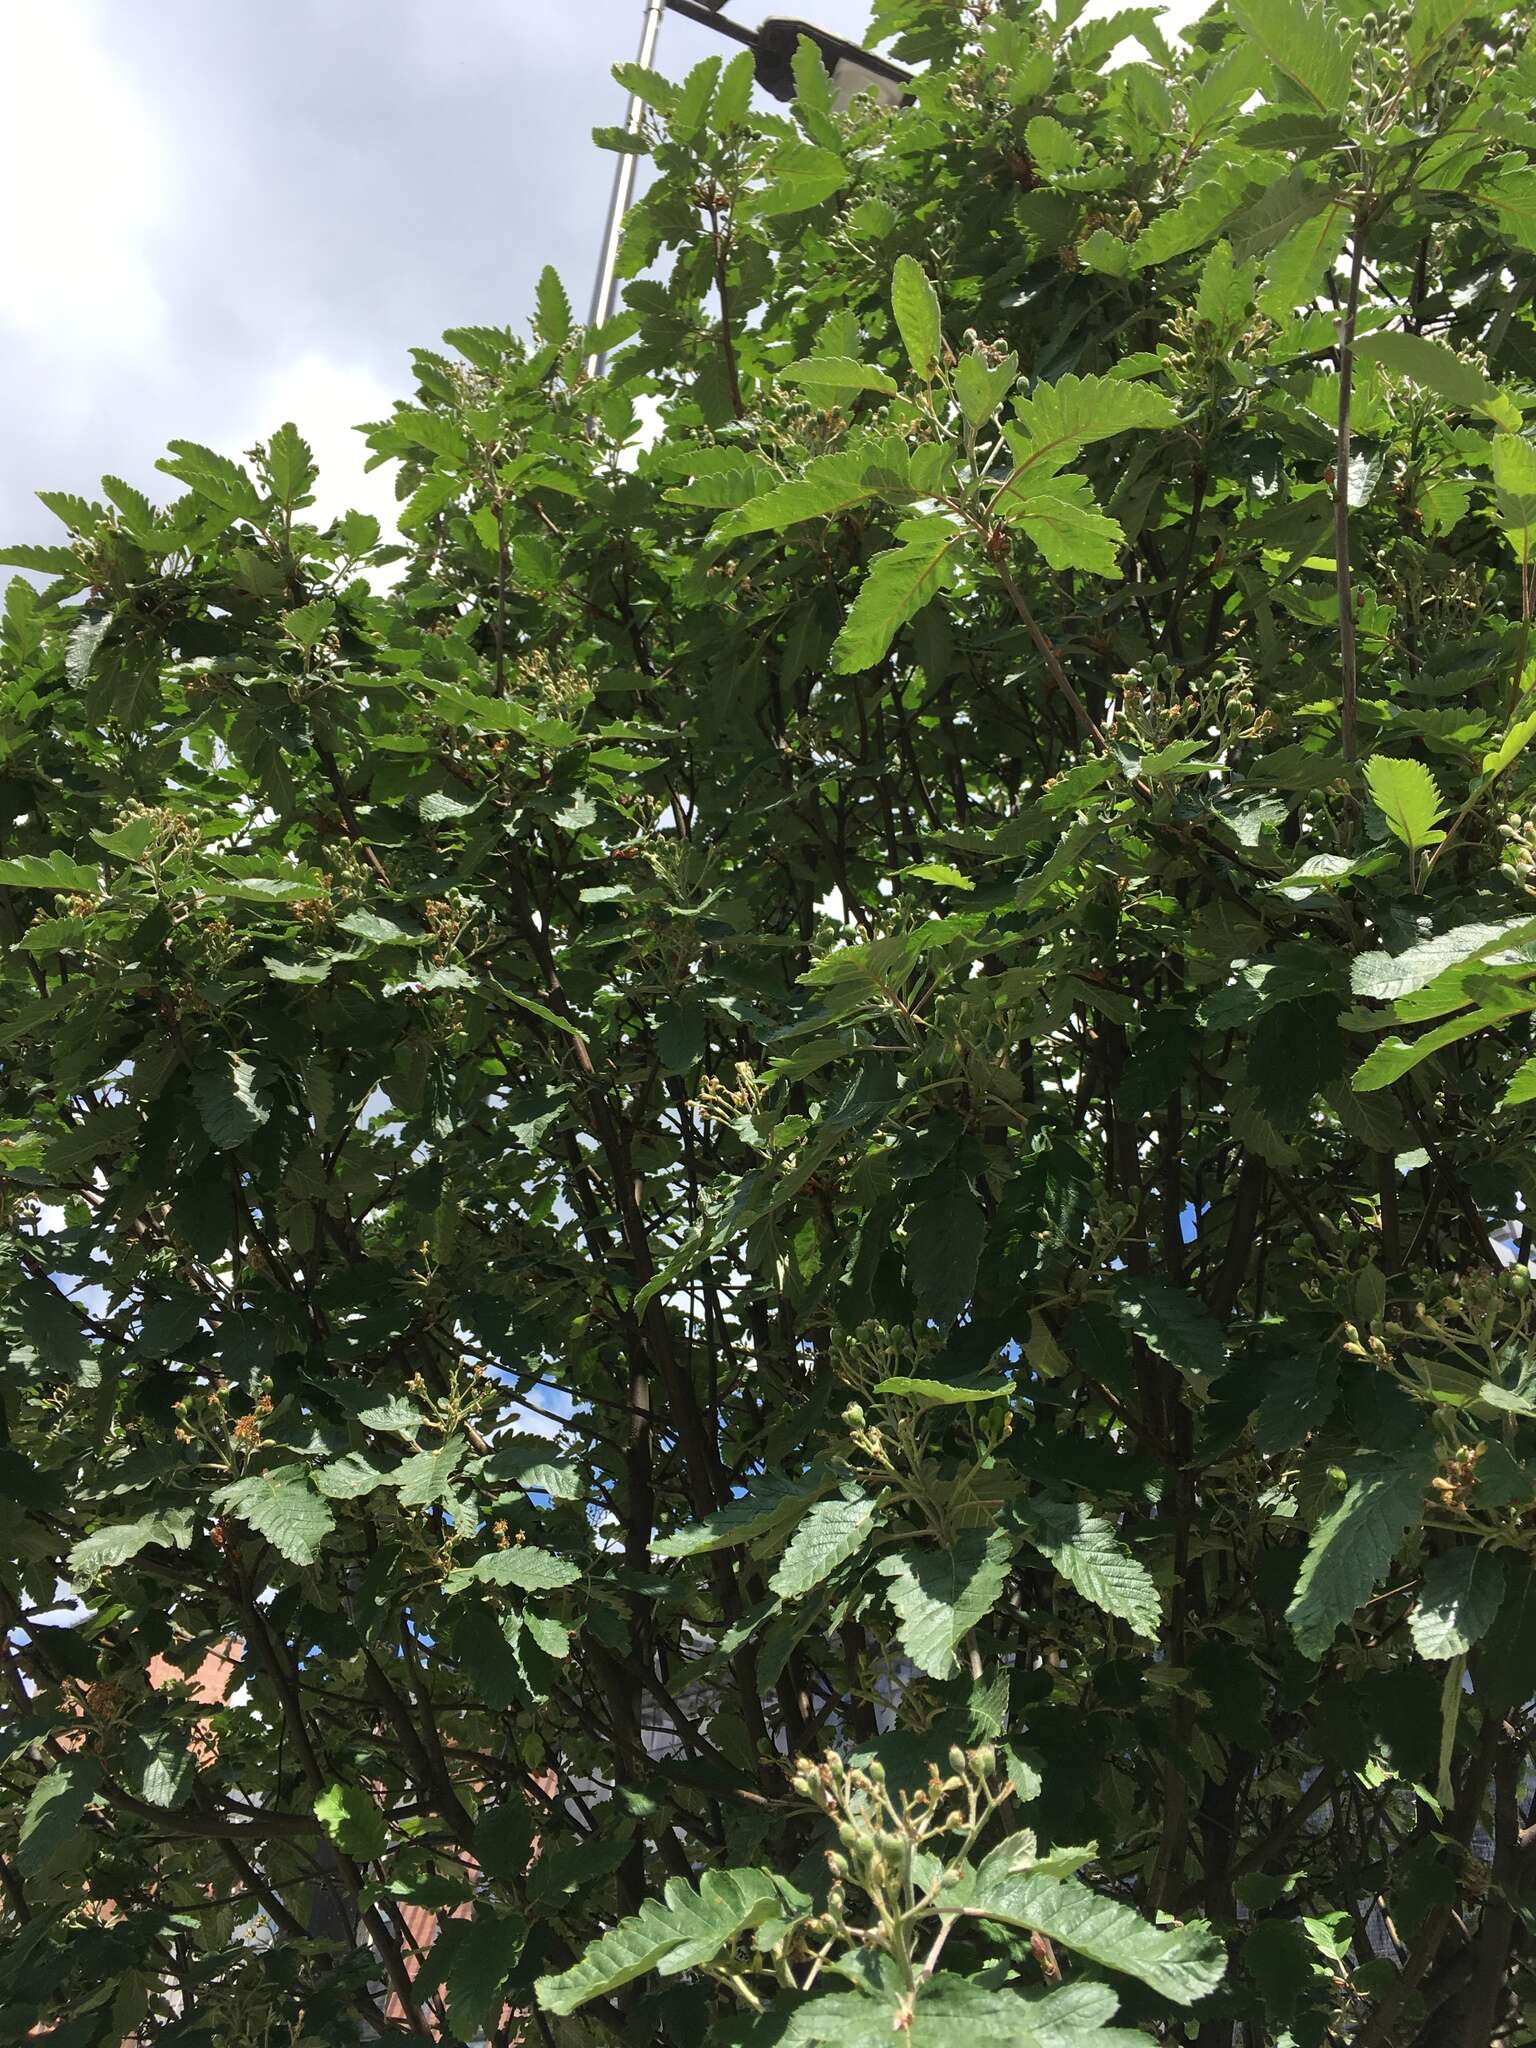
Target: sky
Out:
[216,218]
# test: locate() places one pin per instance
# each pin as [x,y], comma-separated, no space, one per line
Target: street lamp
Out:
[851,69]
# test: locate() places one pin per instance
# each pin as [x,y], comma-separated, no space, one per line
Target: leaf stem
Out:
[1348,662]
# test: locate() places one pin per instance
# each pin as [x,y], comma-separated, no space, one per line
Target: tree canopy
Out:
[766,1203]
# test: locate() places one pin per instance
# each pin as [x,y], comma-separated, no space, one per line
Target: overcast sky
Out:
[217,217]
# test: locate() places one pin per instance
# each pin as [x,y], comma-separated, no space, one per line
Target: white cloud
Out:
[326,398]
[84,186]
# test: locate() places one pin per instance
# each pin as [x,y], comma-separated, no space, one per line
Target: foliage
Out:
[832,1080]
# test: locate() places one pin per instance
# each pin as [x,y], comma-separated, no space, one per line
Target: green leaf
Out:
[1522,1086]
[939,872]
[1514,743]
[768,1503]
[120,1542]
[896,586]
[473,1959]
[1057,420]
[950,2012]
[214,477]
[309,625]
[54,1811]
[1353,1546]
[1184,1964]
[1304,44]
[915,304]
[981,386]
[349,1477]
[283,1507]
[1390,976]
[49,871]
[1085,1550]
[290,467]
[157,1766]
[1434,367]
[800,175]
[1060,516]
[944,1393]
[828,484]
[523,1565]
[1457,1602]
[1395,1056]
[940,1595]
[351,1817]
[1173,1325]
[685,1932]
[946,1231]
[552,316]
[1053,147]
[837,373]
[1514,477]
[231,1105]
[1405,794]
[831,1532]
[426,1480]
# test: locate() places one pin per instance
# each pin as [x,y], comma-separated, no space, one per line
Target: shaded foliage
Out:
[824,1088]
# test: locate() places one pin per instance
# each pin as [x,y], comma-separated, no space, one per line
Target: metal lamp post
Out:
[851,68]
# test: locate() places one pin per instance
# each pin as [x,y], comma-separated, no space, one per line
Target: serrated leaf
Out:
[54,1810]
[1514,743]
[1513,462]
[830,1533]
[552,318]
[687,1929]
[283,1507]
[1434,367]
[1457,1602]
[1190,223]
[896,586]
[945,1233]
[158,1766]
[1299,1394]
[349,1477]
[1052,146]
[1059,514]
[837,373]
[352,1819]
[426,1480]
[1085,1550]
[950,2012]
[122,1541]
[915,305]
[828,484]
[1184,1964]
[523,1565]
[472,1959]
[940,1595]
[1174,1325]
[944,1393]
[1390,976]
[800,175]
[981,386]
[230,1103]
[767,1502]
[1058,419]
[1394,1056]
[1352,1547]
[1522,1086]
[214,477]
[49,871]
[1304,45]
[309,625]
[1405,794]
[290,467]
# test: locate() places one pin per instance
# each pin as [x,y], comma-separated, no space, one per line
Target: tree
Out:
[768,1173]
